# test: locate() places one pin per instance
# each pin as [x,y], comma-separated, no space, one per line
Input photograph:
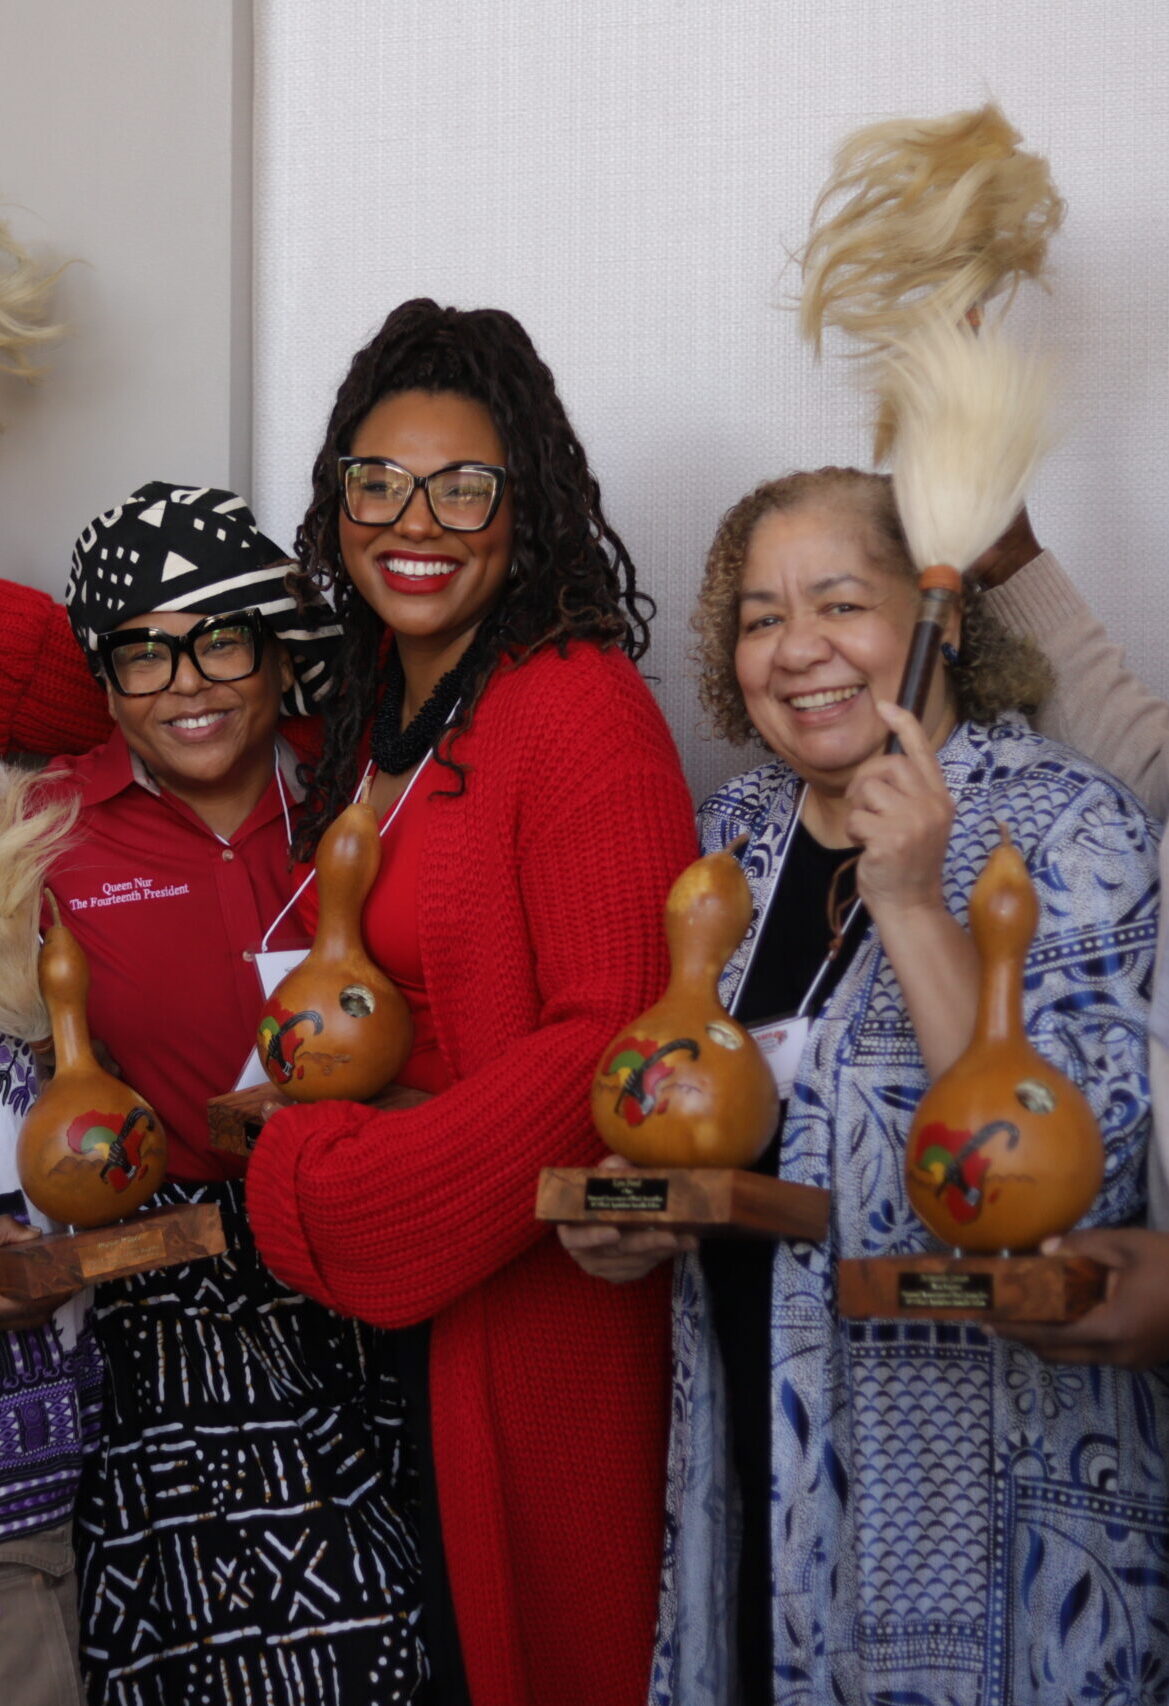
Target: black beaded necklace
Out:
[395,749]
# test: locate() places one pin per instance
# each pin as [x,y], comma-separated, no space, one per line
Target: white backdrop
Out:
[125,146]
[628,177]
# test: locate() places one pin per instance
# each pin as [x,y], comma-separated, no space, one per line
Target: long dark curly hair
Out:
[572,576]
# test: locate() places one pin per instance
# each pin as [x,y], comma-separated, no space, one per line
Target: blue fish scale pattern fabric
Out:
[50,1388]
[954,1522]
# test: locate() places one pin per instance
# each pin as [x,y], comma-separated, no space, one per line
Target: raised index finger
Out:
[915,743]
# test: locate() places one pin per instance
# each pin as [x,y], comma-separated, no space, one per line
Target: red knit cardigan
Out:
[540,923]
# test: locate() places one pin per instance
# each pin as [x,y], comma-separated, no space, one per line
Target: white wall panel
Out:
[628,176]
[125,145]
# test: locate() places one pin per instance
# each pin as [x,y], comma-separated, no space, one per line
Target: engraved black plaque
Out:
[945,1291]
[634,1196]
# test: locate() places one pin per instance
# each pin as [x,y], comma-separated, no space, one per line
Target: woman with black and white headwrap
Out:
[243,1531]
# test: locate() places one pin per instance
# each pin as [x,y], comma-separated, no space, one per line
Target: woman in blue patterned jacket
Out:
[910,1513]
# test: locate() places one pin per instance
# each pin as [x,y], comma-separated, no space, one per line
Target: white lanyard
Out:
[782,1040]
[382,828]
[274,964]
[398,804]
[280,789]
[805,1004]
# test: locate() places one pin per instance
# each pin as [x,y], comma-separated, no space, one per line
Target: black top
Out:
[791,950]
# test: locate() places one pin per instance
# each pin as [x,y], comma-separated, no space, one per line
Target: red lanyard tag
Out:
[782,1042]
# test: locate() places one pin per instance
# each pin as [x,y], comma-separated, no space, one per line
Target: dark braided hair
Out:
[572,576]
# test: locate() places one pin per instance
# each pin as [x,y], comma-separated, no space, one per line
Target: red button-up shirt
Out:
[170,917]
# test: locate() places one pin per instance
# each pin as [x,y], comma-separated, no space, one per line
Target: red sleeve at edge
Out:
[49,701]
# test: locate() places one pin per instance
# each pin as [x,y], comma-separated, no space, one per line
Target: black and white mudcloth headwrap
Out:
[195,549]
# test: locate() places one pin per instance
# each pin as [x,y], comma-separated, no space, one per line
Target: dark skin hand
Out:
[394,1096]
[1130,1328]
[1011,551]
[617,1254]
[19,1312]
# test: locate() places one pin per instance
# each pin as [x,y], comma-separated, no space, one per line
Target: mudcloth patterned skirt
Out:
[245,1532]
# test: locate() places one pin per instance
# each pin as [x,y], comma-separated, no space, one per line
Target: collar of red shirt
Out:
[110,769]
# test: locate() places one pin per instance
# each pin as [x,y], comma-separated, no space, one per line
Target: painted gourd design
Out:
[1004,1150]
[685,1085]
[336,1026]
[90,1150]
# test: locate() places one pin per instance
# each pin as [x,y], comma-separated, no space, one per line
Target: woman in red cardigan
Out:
[534,815]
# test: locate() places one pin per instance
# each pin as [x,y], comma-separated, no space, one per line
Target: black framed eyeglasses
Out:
[463,496]
[141,661]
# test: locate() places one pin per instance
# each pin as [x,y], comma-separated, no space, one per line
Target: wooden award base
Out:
[236,1120]
[63,1262]
[969,1288]
[710,1200]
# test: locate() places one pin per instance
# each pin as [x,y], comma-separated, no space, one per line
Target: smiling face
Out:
[430,585]
[823,633]
[205,737]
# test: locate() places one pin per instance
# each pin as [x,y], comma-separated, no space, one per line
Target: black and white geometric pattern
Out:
[245,1533]
[197,550]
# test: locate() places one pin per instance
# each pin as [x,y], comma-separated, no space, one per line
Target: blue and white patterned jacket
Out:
[954,1523]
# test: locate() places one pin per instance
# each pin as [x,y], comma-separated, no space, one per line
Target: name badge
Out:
[271,966]
[782,1042]
[274,964]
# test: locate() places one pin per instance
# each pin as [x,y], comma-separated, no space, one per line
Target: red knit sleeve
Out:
[49,701]
[392,1216]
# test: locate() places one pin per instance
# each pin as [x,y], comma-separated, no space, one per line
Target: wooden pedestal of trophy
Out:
[969,1288]
[713,1200]
[236,1120]
[63,1262]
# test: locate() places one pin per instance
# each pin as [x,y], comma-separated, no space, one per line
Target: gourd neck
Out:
[339,931]
[71,1042]
[693,970]
[999,1018]
[698,952]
